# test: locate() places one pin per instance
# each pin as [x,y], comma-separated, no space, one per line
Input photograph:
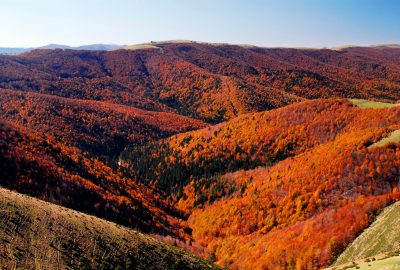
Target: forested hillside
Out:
[382,238]
[255,158]
[278,179]
[206,81]
[38,165]
[101,128]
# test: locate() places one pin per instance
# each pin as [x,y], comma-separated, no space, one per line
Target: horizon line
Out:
[388,44]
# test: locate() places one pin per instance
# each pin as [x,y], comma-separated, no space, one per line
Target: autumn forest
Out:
[248,157]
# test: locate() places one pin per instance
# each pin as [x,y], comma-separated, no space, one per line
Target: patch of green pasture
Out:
[391,263]
[141,47]
[382,237]
[368,104]
[394,137]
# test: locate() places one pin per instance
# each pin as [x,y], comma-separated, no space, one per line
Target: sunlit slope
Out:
[299,179]
[249,141]
[383,236]
[393,137]
[364,104]
[39,235]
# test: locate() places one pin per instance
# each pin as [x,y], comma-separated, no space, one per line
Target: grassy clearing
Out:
[39,235]
[394,137]
[391,263]
[382,237]
[141,47]
[368,104]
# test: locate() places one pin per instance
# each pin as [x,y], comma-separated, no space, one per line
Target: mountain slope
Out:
[382,237]
[101,128]
[264,190]
[38,165]
[248,141]
[207,81]
[278,179]
[35,234]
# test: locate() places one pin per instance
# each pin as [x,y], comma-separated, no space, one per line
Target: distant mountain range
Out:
[91,47]
[150,45]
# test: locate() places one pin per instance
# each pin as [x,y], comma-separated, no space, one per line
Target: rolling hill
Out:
[278,179]
[38,235]
[255,158]
[211,82]
[102,128]
[37,164]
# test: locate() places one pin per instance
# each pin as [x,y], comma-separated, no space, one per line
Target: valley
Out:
[247,157]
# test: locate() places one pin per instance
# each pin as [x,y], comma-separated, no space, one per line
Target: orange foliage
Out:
[99,127]
[284,189]
[318,165]
[210,82]
[38,165]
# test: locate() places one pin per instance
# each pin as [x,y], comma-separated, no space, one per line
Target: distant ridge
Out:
[392,46]
[154,45]
[90,47]
[13,51]
[378,46]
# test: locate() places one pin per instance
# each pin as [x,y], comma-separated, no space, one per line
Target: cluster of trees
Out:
[332,178]
[311,244]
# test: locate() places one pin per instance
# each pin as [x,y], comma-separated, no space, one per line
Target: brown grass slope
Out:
[39,235]
[382,237]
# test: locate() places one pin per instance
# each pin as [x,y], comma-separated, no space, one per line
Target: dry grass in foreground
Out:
[39,235]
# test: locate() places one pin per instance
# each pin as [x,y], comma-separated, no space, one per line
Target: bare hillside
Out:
[382,237]
[38,235]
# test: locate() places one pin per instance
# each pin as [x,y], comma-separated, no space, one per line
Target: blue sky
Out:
[290,23]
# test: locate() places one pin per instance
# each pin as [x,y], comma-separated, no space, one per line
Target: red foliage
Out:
[99,127]
[38,165]
[319,167]
[283,189]
[304,210]
[210,82]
